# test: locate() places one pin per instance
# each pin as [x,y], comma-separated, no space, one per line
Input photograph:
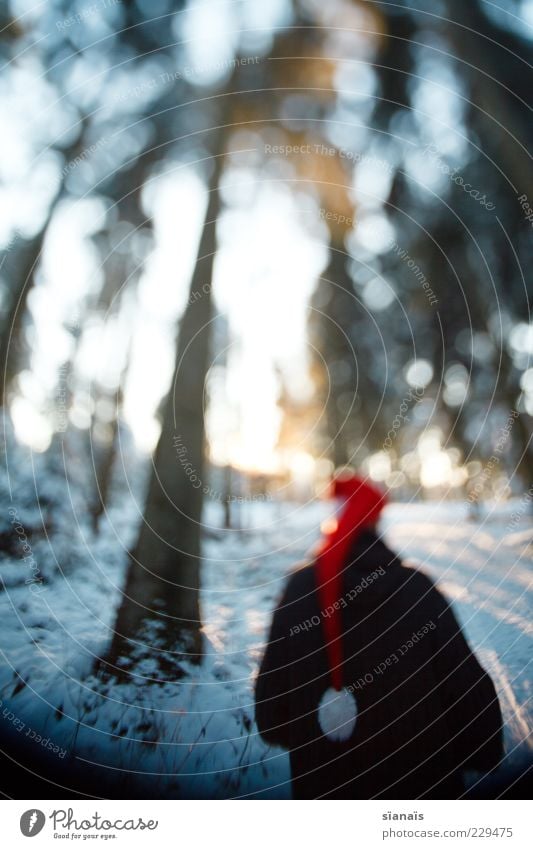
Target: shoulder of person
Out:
[418,581]
[301,574]
[300,583]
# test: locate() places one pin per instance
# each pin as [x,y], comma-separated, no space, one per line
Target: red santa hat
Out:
[362,506]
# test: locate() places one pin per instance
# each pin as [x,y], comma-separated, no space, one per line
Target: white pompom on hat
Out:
[337,714]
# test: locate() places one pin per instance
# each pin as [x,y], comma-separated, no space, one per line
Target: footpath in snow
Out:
[197,737]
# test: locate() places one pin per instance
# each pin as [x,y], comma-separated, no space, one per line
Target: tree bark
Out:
[163,579]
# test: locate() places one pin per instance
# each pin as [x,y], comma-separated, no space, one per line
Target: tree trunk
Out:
[11,336]
[163,580]
[24,267]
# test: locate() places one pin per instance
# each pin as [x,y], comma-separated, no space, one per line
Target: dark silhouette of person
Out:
[367,678]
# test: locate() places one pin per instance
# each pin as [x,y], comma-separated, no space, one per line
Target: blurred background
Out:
[243,244]
[367,161]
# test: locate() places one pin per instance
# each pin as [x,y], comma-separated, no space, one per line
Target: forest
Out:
[244,245]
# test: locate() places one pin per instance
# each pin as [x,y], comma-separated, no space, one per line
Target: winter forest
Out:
[244,244]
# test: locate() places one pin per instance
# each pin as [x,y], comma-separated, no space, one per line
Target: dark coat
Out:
[426,708]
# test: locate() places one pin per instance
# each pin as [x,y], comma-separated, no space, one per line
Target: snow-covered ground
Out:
[197,737]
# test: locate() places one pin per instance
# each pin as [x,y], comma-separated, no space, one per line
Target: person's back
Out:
[426,710]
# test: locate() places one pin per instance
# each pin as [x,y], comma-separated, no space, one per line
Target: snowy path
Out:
[197,737]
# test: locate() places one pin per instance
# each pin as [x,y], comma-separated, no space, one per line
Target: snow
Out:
[196,737]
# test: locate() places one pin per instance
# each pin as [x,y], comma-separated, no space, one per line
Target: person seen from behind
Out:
[367,678]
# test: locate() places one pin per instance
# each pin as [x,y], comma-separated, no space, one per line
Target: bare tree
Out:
[163,578]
